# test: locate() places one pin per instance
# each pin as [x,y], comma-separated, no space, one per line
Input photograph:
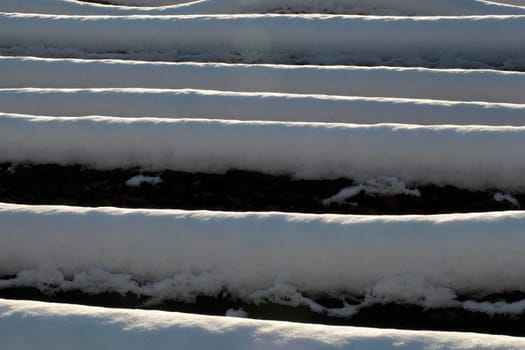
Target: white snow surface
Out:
[361,7]
[258,257]
[421,83]
[474,157]
[188,103]
[485,41]
[47,326]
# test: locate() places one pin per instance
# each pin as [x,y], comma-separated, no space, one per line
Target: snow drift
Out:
[255,106]
[361,7]
[32,325]
[258,257]
[315,39]
[474,157]
[440,84]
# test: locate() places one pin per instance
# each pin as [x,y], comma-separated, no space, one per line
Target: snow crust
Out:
[314,39]
[355,7]
[473,157]
[58,327]
[420,83]
[258,257]
[187,103]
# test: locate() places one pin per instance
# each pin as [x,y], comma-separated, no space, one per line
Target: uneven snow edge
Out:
[174,254]
[58,327]
[314,39]
[472,157]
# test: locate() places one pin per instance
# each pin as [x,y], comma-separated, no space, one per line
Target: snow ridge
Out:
[256,106]
[466,156]
[352,7]
[139,251]
[81,327]
[444,42]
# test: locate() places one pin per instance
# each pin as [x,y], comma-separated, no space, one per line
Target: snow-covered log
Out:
[475,157]
[440,84]
[490,41]
[46,326]
[368,7]
[257,257]
[255,106]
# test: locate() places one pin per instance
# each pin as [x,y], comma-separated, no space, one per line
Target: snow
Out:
[137,181]
[368,7]
[155,3]
[236,313]
[315,39]
[384,186]
[505,197]
[58,327]
[496,308]
[342,105]
[420,83]
[465,156]
[188,103]
[174,254]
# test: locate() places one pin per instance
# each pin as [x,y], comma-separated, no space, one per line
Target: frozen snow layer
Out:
[490,41]
[450,84]
[47,326]
[474,157]
[259,257]
[368,7]
[133,102]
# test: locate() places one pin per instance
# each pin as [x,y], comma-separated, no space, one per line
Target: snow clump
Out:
[240,313]
[505,197]
[383,186]
[138,180]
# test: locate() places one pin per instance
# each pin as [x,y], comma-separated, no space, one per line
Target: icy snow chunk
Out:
[504,197]
[236,313]
[138,180]
[384,186]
